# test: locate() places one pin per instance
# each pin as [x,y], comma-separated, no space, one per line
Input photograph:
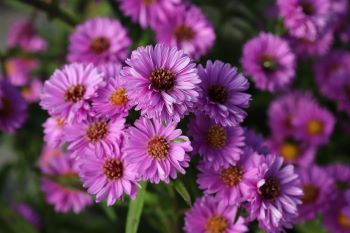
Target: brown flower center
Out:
[268,63]
[311,193]
[183,32]
[99,45]
[6,107]
[216,137]
[97,131]
[162,79]
[308,8]
[158,148]
[216,224]
[315,127]
[74,93]
[113,169]
[289,151]
[119,97]
[270,190]
[218,93]
[232,176]
[343,220]
[149,2]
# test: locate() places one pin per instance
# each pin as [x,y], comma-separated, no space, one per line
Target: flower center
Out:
[113,169]
[97,131]
[158,148]
[232,176]
[119,97]
[315,127]
[216,224]
[311,193]
[162,79]
[183,32]
[270,190]
[149,2]
[216,137]
[74,93]
[289,151]
[59,122]
[268,63]
[343,220]
[99,45]
[308,8]
[5,109]
[218,93]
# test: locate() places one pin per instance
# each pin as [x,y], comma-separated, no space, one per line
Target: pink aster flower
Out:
[110,70]
[149,12]
[32,91]
[18,70]
[94,134]
[318,188]
[28,214]
[306,18]
[108,175]
[157,150]
[61,186]
[188,29]
[210,215]
[277,196]
[269,61]
[98,41]
[13,108]
[53,131]
[69,90]
[218,145]
[231,184]
[162,82]
[222,95]
[23,34]
[47,155]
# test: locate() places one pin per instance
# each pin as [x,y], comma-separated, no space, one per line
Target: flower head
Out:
[337,217]
[32,91]
[18,70]
[53,131]
[255,141]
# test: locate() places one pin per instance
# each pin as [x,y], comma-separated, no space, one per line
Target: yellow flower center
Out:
[343,220]
[119,97]
[158,148]
[289,151]
[97,131]
[315,127]
[216,224]
[232,176]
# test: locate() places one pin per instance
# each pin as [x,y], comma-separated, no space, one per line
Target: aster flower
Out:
[277,196]
[47,155]
[337,218]
[318,188]
[108,175]
[61,186]
[158,151]
[28,214]
[98,41]
[32,91]
[255,141]
[13,108]
[218,145]
[305,18]
[222,95]
[110,70]
[68,91]
[231,184]
[18,70]
[269,61]
[210,215]
[188,29]
[340,173]
[162,82]
[94,134]
[23,34]
[53,131]
[149,12]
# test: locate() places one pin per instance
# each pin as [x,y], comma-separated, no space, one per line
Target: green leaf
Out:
[181,189]
[178,140]
[311,226]
[135,210]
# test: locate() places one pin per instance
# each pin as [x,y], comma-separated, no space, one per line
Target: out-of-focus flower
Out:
[18,70]
[53,131]
[337,218]
[255,141]
[340,173]
[28,214]
[31,93]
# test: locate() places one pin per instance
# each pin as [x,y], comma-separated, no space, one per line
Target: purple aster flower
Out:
[222,95]
[157,150]
[149,12]
[255,141]
[337,218]
[318,188]
[277,196]
[98,41]
[269,61]
[162,82]
[293,151]
[18,70]
[47,155]
[110,70]
[61,186]
[212,216]
[306,18]
[32,91]
[28,214]
[13,108]
[53,131]
[188,29]
[108,175]
[218,145]
[340,173]
[69,90]
[94,134]
[231,184]
[23,34]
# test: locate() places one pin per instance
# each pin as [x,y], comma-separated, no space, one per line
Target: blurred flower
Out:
[340,173]
[32,91]
[162,82]
[53,131]
[157,150]
[212,216]
[28,214]
[47,155]
[222,95]
[98,41]
[255,141]
[188,29]
[110,70]
[18,69]
[337,218]
[269,61]
[218,145]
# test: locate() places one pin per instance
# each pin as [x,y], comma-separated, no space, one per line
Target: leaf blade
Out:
[135,211]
